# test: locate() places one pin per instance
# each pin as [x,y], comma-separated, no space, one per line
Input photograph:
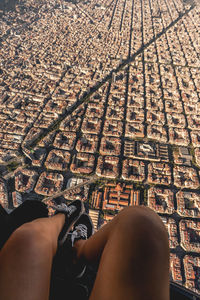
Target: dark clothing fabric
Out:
[26,212]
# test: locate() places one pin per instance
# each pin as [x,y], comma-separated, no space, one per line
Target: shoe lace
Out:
[64,208]
[80,232]
[70,210]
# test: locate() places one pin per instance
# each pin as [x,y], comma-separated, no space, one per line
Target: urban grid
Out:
[100,101]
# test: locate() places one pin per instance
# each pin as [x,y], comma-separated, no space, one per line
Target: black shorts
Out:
[26,212]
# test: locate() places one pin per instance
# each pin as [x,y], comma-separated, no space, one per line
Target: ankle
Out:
[78,249]
[60,217]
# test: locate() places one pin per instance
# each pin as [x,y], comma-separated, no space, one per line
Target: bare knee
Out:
[31,239]
[144,225]
[142,217]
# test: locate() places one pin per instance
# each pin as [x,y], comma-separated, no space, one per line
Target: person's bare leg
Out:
[26,259]
[133,251]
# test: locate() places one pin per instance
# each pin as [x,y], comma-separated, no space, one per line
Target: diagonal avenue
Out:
[123,64]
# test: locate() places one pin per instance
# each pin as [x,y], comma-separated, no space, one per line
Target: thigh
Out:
[134,263]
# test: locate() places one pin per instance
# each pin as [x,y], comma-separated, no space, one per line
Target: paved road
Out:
[93,179]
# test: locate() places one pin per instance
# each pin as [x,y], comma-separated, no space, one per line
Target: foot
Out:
[83,229]
[72,212]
